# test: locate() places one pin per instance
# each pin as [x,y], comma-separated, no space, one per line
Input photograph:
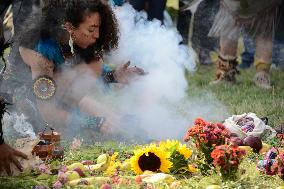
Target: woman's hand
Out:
[111,124]
[9,155]
[124,73]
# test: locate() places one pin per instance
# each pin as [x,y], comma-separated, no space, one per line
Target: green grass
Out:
[244,96]
[240,98]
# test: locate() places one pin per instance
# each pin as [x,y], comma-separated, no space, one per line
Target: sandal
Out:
[262,80]
[226,71]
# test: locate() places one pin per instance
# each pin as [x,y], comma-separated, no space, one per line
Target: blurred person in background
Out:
[258,18]
[116,2]
[278,45]
[183,21]
[154,8]
[203,21]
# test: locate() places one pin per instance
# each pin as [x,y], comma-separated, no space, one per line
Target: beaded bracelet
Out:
[86,121]
[109,77]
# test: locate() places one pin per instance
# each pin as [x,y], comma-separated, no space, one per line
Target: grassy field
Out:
[240,98]
[244,96]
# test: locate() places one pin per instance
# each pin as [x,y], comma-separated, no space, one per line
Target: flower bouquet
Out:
[179,156]
[206,136]
[150,158]
[227,159]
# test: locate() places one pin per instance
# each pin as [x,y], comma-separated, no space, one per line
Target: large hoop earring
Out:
[71,44]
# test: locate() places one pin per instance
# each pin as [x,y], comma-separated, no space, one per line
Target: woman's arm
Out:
[68,90]
[123,74]
[42,68]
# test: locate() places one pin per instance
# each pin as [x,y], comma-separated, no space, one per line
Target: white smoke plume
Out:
[157,105]
[158,102]
[18,124]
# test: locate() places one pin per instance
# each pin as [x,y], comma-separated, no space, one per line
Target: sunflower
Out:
[151,158]
[114,165]
[169,145]
[183,150]
[175,145]
[179,155]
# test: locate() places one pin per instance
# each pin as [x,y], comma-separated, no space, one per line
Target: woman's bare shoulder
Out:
[36,61]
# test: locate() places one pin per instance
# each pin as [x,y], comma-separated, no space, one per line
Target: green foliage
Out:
[179,162]
[240,98]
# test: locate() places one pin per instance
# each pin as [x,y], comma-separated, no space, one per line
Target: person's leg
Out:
[263,58]
[202,22]
[248,53]
[278,54]
[204,57]
[226,63]
[156,9]
[138,5]
[228,47]
[183,23]
[278,44]
[21,11]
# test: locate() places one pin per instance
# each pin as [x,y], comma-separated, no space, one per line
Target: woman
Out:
[64,51]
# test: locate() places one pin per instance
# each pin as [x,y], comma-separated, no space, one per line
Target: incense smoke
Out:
[14,124]
[157,105]
[158,102]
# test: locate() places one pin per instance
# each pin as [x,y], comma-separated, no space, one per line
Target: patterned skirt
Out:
[255,17]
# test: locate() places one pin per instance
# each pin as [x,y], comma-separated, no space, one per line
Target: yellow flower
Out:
[183,150]
[114,156]
[169,144]
[192,169]
[151,158]
[175,145]
[113,166]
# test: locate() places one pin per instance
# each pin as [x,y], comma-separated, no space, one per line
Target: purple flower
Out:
[62,177]
[57,185]
[64,169]
[44,169]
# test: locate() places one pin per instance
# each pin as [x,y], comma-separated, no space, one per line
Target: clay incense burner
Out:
[48,147]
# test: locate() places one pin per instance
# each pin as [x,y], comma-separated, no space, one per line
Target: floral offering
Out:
[150,158]
[179,156]
[206,136]
[227,158]
[248,124]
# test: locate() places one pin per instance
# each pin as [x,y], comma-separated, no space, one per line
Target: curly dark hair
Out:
[55,13]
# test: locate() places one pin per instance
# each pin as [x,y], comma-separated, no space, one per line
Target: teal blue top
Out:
[50,49]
